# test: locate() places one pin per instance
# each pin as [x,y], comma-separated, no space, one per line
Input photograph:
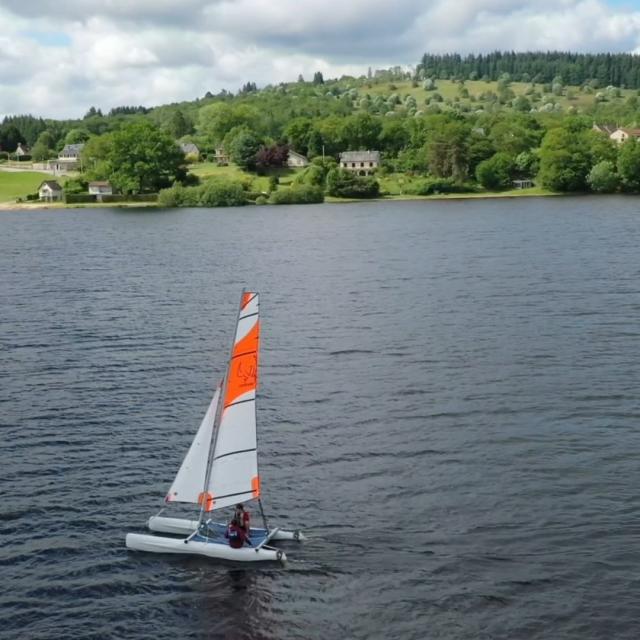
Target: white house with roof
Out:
[622,134]
[69,159]
[296,160]
[100,188]
[364,163]
[50,191]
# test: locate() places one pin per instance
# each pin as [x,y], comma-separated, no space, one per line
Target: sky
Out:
[60,57]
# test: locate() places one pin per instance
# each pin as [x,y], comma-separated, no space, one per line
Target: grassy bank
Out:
[17,184]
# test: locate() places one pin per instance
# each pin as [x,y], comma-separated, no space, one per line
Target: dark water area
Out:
[449,407]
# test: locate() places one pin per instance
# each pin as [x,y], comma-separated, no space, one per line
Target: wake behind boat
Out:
[221,466]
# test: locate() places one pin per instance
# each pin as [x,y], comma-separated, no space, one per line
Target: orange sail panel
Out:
[235,457]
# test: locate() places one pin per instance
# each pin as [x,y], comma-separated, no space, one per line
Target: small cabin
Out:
[297,160]
[100,188]
[50,191]
[190,150]
[621,134]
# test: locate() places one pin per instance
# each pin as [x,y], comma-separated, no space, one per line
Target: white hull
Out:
[157,544]
[183,526]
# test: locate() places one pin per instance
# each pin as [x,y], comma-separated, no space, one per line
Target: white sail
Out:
[234,463]
[189,481]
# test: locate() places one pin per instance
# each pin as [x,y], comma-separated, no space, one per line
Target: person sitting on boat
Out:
[243,518]
[236,535]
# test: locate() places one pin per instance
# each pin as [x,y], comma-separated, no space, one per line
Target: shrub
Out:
[218,193]
[297,194]
[78,198]
[344,184]
[430,186]
[179,196]
[261,200]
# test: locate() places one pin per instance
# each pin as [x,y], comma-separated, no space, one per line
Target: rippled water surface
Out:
[449,407]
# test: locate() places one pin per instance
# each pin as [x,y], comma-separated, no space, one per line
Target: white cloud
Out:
[158,51]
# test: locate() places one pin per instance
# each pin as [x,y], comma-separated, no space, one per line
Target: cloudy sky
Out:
[59,57]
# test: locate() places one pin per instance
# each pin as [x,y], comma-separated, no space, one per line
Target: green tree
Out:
[77,136]
[144,159]
[178,125]
[361,131]
[217,119]
[243,149]
[629,165]
[603,177]
[40,152]
[448,151]
[565,160]
[496,172]
[318,78]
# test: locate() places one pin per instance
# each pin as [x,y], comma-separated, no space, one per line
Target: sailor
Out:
[236,534]
[243,518]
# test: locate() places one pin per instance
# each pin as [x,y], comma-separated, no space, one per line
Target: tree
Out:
[496,172]
[217,119]
[40,152]
[361,131]
[448,151]
[565,160]
[243,149]
[10,136]
[178,125]
[629,165]
[603,177]
[274,155]
[140,158]
[318,78]
[77,136]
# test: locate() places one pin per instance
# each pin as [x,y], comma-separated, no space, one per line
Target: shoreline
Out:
[524,193]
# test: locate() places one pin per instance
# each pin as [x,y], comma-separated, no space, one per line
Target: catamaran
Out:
[221,466]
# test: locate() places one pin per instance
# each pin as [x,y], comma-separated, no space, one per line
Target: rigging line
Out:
[249,315]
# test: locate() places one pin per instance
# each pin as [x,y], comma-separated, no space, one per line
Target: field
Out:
[449,90]
[17,184]
[206,170]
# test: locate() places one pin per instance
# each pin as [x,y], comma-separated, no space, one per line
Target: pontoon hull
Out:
[182,526]
[158,544]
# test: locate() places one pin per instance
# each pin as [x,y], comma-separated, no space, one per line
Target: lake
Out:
[448,407]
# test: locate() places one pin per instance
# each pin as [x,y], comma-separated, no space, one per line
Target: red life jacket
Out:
[236,536]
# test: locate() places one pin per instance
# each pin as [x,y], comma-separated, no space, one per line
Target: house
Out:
[68,159]
[50,191]
[21,151]
[295,160]
[607,129]
[100,188]
[220,157]
[190,149]
[522,184]
[621,134]
[364,163]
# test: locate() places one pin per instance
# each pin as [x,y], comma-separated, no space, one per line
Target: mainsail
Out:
[234,464]
[225,455]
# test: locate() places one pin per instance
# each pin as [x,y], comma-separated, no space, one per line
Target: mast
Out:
[216,424]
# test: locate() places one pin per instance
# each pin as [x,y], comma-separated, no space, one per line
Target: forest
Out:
[452,124]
